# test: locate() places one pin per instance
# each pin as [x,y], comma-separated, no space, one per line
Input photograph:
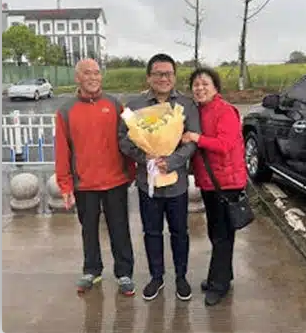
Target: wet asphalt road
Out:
[26,106]
[41,260]
[45,105]
[51,105]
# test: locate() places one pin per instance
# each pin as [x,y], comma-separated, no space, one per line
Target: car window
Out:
[297,91]
[30,82]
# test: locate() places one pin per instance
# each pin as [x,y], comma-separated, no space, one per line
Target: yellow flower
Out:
[150,120]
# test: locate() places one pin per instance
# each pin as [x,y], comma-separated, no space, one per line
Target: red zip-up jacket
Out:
[223,141]
[86,146]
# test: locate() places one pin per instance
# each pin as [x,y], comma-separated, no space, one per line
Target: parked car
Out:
[275,136]
[31,88]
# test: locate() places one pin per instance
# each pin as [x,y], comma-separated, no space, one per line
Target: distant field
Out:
[273,77]
[264,78]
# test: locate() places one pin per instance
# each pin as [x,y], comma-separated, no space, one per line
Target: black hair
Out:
[213,74]
[160,57]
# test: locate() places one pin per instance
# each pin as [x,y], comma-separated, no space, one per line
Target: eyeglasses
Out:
[160,75]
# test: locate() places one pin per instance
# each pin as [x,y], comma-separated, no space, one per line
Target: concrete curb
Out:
[279,212]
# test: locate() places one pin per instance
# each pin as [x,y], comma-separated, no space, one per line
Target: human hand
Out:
[150,157]
[162,165]
[190,137]
[69,200]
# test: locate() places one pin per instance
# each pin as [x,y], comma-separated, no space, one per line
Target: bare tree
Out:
[242,46]
[196,26]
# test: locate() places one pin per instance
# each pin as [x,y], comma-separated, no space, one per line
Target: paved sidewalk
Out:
[42,260]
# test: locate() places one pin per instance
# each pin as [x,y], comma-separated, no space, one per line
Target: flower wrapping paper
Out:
[157,130]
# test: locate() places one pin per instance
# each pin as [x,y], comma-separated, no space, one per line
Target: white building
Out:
[80,31]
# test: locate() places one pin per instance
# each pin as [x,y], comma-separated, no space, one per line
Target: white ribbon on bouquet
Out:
[153,171]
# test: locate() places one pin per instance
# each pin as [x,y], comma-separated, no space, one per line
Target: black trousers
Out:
[115,206]
[152,211]
[222,238]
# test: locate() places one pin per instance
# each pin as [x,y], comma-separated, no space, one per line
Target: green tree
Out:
[19,40]
[297,57]
[6,53]
[54,55]
[37,53]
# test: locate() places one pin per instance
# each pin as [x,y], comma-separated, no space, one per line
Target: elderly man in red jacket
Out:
[90,169]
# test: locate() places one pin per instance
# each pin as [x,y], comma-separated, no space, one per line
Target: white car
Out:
[31,88]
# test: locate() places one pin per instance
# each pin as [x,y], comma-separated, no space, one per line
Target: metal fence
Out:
[57,75]
[28,138]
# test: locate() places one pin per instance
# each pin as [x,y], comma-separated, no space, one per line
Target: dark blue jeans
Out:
[152,211]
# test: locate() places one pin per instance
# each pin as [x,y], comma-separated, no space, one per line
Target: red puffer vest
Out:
[223,141]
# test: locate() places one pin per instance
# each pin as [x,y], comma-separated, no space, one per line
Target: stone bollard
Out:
[55,200]
[195,199]
[25,192]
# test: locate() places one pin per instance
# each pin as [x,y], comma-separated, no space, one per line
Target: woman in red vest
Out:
[223,143]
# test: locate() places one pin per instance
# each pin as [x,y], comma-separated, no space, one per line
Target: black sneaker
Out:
[214,297]
[152,289]
[183,290]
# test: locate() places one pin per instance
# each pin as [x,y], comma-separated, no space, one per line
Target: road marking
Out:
[275,191]
[280,204]
[294,218]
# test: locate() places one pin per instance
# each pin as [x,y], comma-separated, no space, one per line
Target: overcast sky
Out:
[144,27]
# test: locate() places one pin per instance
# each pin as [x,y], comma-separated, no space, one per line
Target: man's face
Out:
[89,77]
[162,77]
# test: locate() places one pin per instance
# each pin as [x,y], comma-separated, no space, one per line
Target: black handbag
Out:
[239,212]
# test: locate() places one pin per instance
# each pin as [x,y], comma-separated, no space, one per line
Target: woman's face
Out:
[203,89]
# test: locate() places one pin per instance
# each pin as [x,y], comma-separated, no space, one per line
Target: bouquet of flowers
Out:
[157,130]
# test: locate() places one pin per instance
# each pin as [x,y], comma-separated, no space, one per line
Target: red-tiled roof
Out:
[59,14]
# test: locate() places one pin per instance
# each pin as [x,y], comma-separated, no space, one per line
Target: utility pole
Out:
[196,25]
[58,2]
[242,46]
[196,35]
[242,71]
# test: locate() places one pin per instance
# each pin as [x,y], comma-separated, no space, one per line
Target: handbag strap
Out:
[213,177]
[211,174]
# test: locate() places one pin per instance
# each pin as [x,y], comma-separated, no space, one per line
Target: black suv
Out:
[275,136]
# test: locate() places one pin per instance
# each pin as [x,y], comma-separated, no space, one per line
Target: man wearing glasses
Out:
[170,201]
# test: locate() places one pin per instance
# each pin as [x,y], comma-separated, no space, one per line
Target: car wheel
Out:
[257,169]
[50,95]
[12,99]
[36,96]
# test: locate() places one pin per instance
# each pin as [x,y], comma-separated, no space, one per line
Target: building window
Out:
[89,26]
[61,41]
[90,43]
[76,49]
[75,27]
[46,28]
[60,26]
[15,24]
[32,27]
